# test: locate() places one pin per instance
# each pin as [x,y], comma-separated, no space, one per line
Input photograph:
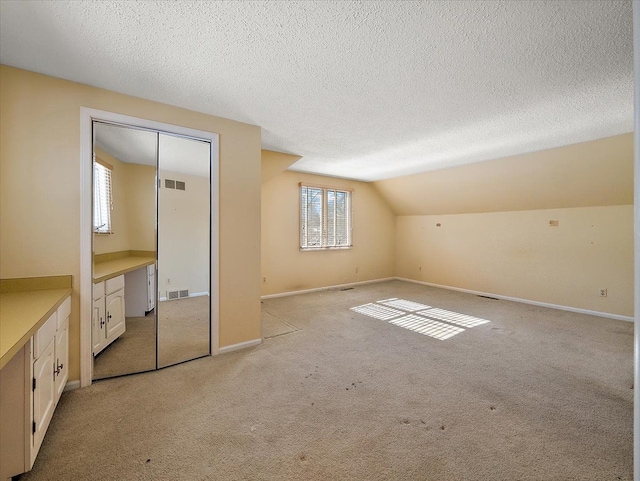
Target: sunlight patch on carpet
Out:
[430,321]
[379,312]
[428,327]
[454,317]
[408,306]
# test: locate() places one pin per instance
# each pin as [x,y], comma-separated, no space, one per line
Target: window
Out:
[325,218]
[102,198]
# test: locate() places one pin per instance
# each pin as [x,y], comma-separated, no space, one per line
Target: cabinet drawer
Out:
[98,290]
[64,311]
[112,285]
[44,335]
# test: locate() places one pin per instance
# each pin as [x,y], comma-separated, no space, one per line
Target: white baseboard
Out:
[326,288]
[71,385]
[240,345]
[523,301]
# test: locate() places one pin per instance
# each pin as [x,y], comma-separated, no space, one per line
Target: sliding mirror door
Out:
[184,246]
[124,250]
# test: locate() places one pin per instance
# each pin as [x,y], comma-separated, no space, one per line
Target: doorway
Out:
[171,246]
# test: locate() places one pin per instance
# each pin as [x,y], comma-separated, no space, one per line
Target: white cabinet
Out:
[44,395]
[108,321]
[62,348]
[50,371]
[151,287]
[32,383]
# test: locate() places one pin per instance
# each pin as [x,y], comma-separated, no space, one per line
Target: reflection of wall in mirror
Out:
[183,234]
[133,213]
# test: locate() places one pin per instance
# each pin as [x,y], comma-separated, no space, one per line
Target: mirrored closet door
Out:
[183,249]
[151,238]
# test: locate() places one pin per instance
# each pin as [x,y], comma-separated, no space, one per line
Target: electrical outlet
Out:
[168,281]
[357,269]
[264,279]
[603,293]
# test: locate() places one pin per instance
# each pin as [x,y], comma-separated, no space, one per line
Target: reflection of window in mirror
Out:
[102,197]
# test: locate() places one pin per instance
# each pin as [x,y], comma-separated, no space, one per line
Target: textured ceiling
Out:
[364,90]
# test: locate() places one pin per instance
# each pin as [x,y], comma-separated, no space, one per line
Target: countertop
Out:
[112,268]
[23,311]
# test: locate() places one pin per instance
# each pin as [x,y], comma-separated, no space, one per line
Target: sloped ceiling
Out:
[362,90]
[596,173]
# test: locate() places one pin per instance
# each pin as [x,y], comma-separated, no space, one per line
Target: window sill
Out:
[308,249]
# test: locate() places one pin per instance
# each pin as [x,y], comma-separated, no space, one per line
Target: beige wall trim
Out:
[326,288]
[523,301]
[35,283]
[71,385]
[240,345]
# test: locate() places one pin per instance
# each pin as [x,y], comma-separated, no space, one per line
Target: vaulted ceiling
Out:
[362,90]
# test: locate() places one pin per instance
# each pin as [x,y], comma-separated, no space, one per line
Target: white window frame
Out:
[303,229]
[103,197]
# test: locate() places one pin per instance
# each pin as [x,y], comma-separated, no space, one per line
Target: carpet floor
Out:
[183,333]
[533,394]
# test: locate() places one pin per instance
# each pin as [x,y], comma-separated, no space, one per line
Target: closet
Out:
[151,279]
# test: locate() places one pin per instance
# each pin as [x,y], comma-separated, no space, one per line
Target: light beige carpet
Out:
[183,330]
[273,326]
[536,394]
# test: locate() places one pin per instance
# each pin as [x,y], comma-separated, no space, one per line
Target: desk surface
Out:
[22,313]
[109,269]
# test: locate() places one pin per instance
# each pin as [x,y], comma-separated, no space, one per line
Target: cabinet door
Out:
[99,321]
[115,315]
[61,359]
[44,397]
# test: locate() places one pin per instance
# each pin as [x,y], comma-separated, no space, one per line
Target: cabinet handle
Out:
[102,322]
[108,316]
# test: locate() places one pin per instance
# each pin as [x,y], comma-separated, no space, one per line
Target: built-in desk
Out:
[107,268]
[123,286]
[34,364]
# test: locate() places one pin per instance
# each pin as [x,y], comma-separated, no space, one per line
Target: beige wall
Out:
[288,269]
[518,254]
[183,234]
[588,174]
[40,191]
[140,200]
[134,208]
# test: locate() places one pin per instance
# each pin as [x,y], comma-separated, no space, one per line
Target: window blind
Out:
[325,218]
[102,198]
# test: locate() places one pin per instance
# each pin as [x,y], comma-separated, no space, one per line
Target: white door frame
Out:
[87,116]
